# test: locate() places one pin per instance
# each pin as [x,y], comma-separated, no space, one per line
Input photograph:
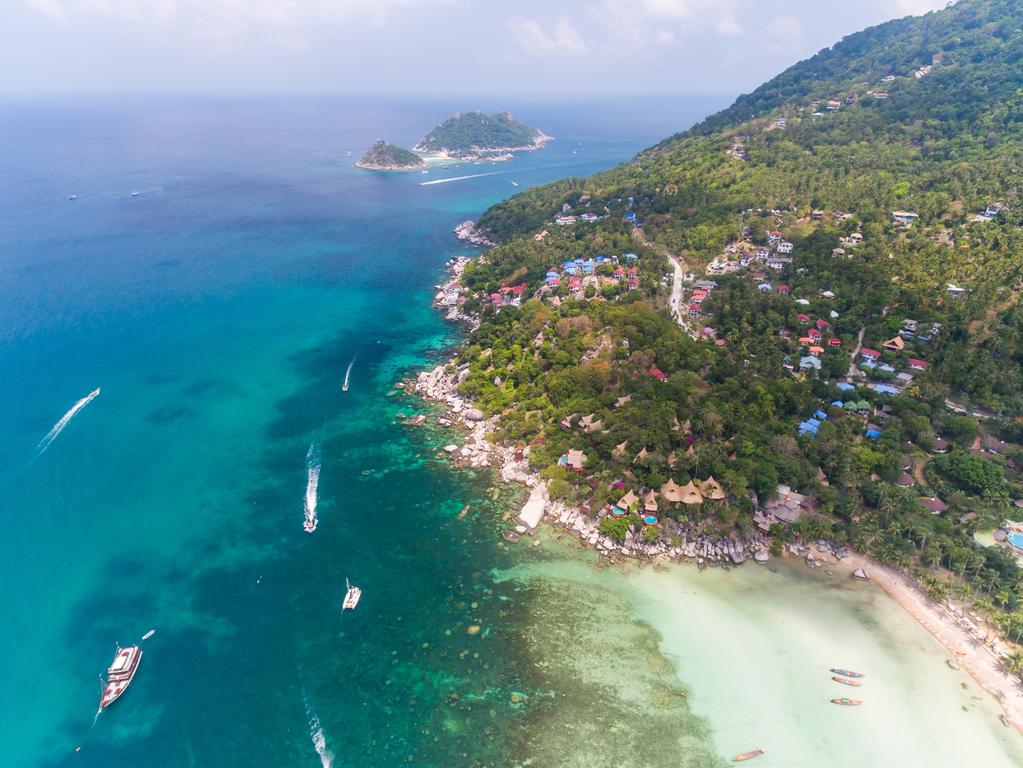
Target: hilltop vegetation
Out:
[388,157]
[922,117]
[471,132]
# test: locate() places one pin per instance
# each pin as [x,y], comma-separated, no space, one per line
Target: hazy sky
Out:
[404,46]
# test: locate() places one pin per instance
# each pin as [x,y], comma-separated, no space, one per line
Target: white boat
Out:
[352,596]
[120,674]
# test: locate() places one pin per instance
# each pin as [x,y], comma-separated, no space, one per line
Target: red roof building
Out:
[873,354]
[658,374]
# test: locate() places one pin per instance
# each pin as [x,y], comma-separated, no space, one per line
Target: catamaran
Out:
[120,674]
[352,595]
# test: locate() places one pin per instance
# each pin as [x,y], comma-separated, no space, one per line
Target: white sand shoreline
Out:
[981,660]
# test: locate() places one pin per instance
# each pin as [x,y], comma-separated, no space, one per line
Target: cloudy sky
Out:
[524,47]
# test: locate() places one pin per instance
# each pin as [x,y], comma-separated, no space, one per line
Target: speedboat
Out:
[352,595]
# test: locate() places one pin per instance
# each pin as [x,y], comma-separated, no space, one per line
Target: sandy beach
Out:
[750,650]
[968,648]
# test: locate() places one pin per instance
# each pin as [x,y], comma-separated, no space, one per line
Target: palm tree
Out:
[1015,663]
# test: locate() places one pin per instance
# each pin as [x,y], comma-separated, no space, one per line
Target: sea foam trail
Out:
[348,372]
[312,462]
[65,420]
[316,731]
[461,178]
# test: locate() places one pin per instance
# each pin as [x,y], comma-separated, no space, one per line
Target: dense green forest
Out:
[922,115]
[390,157]
[472,131]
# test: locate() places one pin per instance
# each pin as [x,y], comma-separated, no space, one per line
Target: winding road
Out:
[675,302]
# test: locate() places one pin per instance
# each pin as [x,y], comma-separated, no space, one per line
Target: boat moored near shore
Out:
[844,701]
[846,681]
[846,673]
[742,758]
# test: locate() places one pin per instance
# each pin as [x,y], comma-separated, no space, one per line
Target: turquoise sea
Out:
[220,266]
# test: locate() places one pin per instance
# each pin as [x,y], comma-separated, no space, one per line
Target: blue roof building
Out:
[873,434]
[885,389]
[631,257]
[838,404]
[808,362]
[819,414]
[843,387]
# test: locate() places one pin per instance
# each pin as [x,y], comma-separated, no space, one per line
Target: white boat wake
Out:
[316,731]
[65,420]
[348,372]
[461,178]
[312,461]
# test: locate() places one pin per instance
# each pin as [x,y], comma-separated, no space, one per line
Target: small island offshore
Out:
[476,136]
[383,156]
[467,137]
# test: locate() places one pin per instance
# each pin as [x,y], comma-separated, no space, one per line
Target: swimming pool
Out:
[1016,539]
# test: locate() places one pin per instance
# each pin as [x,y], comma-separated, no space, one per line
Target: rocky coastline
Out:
[492,154]
[677,543]
[468,232]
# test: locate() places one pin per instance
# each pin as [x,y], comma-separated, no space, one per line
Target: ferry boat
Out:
[747,756]
[120,674]
[352,596]
[846,681]
[846,702]
[847,673]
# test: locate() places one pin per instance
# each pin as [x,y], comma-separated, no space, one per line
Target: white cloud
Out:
[917,7]
[225,15]
[563,40]
[54,9]
[728,24]
[784,34]
[672,9]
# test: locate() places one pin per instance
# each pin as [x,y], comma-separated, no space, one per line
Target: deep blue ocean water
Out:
[217,309]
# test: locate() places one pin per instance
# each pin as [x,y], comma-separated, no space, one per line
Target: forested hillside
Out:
[850,327]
